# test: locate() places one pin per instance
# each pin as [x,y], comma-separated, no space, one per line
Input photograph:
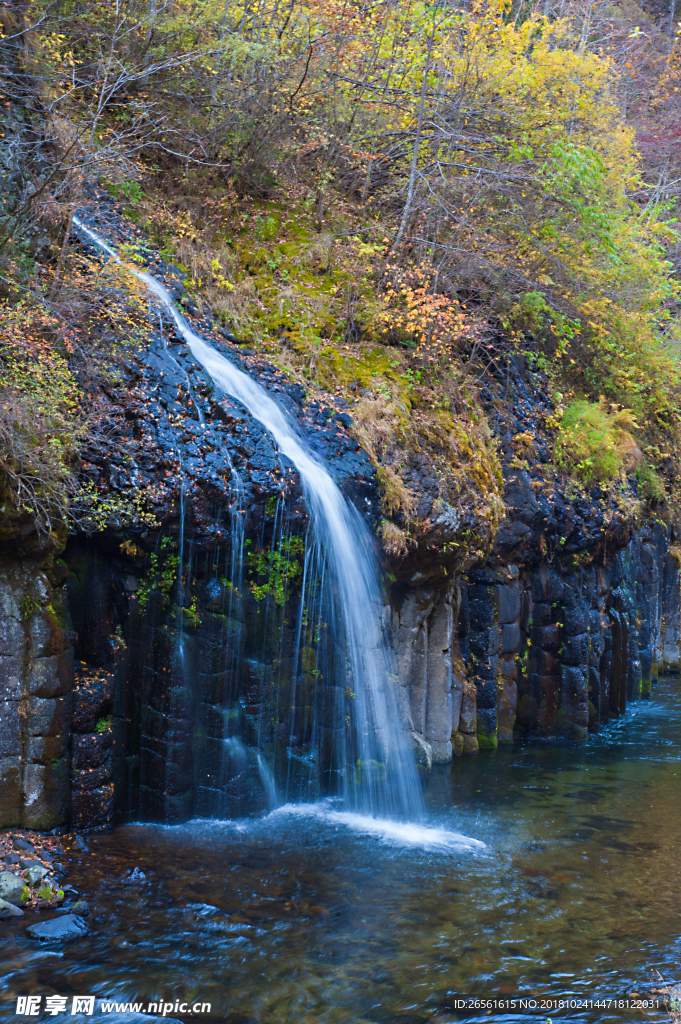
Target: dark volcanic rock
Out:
[66,928]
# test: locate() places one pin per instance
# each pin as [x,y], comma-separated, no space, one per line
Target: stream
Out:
[545,870]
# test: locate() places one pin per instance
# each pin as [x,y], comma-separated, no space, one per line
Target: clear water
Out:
[379,735]
[324,916]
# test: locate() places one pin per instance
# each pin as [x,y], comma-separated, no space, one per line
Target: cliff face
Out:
[36,682]
[170,670]
[510,649]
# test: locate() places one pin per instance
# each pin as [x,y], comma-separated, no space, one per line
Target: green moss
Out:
[192,613]
[161,574]
[487,740]
[651,488]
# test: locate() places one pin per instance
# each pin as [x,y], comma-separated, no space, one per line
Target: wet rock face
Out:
[182,677]
[548,649]
[199,454]
[567,620]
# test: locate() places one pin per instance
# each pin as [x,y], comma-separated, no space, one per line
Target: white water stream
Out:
[345,539]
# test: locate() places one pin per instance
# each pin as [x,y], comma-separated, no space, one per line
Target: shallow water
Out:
[543,870]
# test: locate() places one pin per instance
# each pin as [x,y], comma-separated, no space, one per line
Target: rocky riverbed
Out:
[33,881]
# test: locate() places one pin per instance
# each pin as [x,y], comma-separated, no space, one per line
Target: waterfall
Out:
[382,779]
[268,783]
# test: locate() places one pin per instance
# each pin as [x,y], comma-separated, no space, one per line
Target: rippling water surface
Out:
[543,870]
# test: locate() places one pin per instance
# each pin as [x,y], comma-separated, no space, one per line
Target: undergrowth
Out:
[379,244]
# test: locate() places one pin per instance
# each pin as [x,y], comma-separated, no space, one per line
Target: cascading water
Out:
[380,741]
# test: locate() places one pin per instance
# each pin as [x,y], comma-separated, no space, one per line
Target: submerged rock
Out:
[59,929]
[136,877]
[8,910]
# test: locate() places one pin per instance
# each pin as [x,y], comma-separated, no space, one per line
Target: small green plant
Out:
[161,574]
[280,566]
[29,606]
[193,614]
[651,487]
[594,441]
[104,724]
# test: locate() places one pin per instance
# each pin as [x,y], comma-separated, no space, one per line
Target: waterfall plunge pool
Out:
[312,914]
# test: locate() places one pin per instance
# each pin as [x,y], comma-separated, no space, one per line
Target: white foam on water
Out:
[398,833]
[412,835]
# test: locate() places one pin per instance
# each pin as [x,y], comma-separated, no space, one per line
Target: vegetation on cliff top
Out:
[378,198]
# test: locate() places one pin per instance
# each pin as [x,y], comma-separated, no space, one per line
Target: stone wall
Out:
[558,647]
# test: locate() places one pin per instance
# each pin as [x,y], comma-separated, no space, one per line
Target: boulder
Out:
[13,889]
[36,874]
[60,929]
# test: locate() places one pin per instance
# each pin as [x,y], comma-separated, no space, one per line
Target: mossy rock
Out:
[572,730]
[470,743]
[487,740]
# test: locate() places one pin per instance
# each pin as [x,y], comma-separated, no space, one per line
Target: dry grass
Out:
[396,542]
[376,421]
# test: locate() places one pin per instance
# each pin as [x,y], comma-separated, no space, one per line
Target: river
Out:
[314,916]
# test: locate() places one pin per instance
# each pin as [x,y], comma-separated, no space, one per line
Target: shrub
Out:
[594,441]
[41,423]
